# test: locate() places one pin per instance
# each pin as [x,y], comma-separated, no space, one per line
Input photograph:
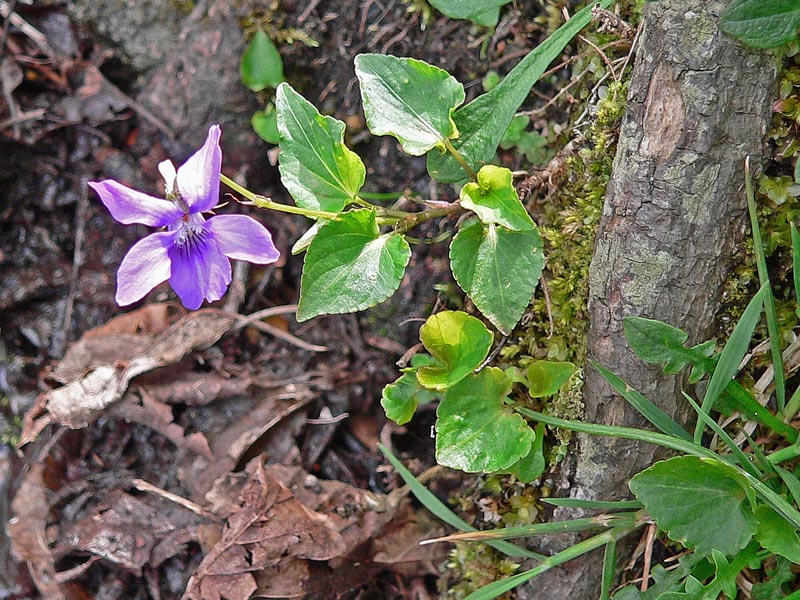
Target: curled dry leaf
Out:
[265,525]
[131,531]
[27,532]
[81,400]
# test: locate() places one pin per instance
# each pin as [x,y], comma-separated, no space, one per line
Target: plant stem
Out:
[457,155]
[264,202]
[608,537]
[777,502]
[414,219]
[769,301]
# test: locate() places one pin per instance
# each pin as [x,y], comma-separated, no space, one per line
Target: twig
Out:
[602,55]
[307,12]
[77,262]
[548,306]
[36,36]
[648,555]
[144,486]
[255,321]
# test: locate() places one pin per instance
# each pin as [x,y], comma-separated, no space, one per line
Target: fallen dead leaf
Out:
[265,524]
[131,531]
[82,400]
[27,529]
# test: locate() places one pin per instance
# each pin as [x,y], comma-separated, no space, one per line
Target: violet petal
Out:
[198,177]
[243,238]
[146,265]
[129,206]
[199,271]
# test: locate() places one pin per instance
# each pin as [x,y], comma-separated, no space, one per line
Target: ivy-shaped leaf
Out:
[459,343]
[483,121]
[476,431]
[494,199]
[546,377]
[319,171]
[762,23]
[265,124]
[350,266]
[408,99]
[776,535]
[531,466]
[261,65]
[498,269]
[702,503]
[401,398]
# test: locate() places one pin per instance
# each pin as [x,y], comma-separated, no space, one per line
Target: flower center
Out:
[191,233]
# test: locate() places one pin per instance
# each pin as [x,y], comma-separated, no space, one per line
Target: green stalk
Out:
[263,202]
[609,570]
[611,536]
[777,502]
[769,300]
[460,159]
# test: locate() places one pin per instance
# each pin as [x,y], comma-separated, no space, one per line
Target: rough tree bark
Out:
[699,102]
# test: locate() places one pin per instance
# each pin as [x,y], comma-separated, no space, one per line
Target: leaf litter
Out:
[268,529]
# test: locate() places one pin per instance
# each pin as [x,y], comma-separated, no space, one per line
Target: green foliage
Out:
[261,65]
[265,124]
[401,398]
[498,269]
[458,342]
[476,430]
[494,199]
[410,100]
[545,378]
[483,121]
[703,504]
[319,171]
[762,23]
[530,144]
[482,12]
[350,266]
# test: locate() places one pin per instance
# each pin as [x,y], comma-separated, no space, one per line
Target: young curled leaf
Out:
[458,342]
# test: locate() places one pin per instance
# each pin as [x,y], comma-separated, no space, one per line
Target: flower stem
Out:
[457,155]
[264,202]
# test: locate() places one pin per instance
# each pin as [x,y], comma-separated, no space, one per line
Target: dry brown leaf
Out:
[265,524]
[81,400]
[228,445]
[27,532]
[131,531]
[148,411]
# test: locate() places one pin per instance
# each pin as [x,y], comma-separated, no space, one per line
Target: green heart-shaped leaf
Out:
[459,342]
[265,124]
[498,269]
[776,535]
[261,65]
[319,171]
[476,431]
[762,23]
[483,121]
[702,503]
[401,398]
[545,377]
[350,266]
[494,199]
[408,99]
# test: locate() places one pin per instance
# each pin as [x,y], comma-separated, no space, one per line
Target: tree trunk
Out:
[699,103]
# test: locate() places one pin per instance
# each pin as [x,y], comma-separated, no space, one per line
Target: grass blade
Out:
[609,570]
[598,504]
[660,420]
[441,510]
[732,355]
[741,457]
[769,298]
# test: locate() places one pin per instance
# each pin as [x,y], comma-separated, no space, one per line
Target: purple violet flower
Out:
[192,253]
